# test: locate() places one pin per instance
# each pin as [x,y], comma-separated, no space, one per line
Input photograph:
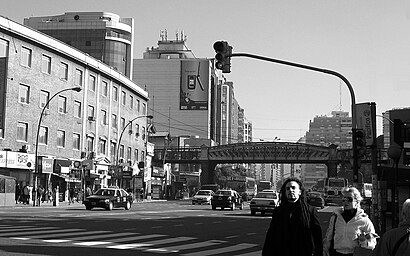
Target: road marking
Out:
[128,246]
[57,241]
[257,253]
[38,232]
[222,250]
[134,238]
[105,236]
[172,240]
[20,238]
[91,243]
[197,245]
[23,229]
[76,234]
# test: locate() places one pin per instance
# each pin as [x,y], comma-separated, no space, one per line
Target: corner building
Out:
[78,129]
[103,35]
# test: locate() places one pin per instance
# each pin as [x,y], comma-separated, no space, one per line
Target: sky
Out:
[366,41]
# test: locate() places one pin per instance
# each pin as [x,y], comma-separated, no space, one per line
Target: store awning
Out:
[66,178]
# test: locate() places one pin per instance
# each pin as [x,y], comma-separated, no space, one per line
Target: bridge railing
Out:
[177,154]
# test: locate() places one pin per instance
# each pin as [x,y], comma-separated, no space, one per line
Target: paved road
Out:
[149,228]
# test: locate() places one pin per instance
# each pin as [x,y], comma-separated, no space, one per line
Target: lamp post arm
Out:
[119,140]
[326,71]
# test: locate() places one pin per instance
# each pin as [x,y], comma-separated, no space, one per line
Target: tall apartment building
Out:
[323,131]
[35,69]
[103,35]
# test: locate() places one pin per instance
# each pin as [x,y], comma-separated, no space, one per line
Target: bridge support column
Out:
[208,173]
[332,169]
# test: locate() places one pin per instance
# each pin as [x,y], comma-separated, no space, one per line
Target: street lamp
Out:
[36,171]
[122,132]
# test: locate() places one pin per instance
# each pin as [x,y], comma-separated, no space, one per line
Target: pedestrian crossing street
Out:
[149,243]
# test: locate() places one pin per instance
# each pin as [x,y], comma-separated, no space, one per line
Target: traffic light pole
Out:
[329,72]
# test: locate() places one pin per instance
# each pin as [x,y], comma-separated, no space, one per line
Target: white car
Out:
[203,197]
[264,201]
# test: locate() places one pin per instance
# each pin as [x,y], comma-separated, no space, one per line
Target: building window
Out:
[129,150]
[136,155]
[62,104]
[26,55]
[76,141]
[123,98]
[43,135]
[131,102]
[104,120]
[91,112]
[60,138]
[122,123]
[143,132]
[46,64]
[115,93]
[114,121]
[104,88]
[121,151]
[90,143]
[102,144]
[1,133]
[78,77]
[44,98]
[144,108]
[137,130]
[64,71]
[24,94]
[91,83]
[22,131]
[138,105]
[77,109]
[113,149]
[142,156]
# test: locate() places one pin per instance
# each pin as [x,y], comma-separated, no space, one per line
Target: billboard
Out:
[194,87]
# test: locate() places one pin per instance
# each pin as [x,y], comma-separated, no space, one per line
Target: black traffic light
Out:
[223,56]
[360,139]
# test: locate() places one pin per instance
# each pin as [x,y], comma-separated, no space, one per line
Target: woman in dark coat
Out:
[295,229]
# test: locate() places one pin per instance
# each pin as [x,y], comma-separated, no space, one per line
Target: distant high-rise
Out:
[103,35]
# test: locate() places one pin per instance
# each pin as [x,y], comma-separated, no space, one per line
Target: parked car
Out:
[226,198]
[335,200]
[263,202]
[108,198]
[316,199]
[203,197]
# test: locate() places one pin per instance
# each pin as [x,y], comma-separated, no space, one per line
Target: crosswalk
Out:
[150,243]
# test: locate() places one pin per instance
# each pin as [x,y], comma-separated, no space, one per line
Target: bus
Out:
[331,186]
[246,186]
[264,184]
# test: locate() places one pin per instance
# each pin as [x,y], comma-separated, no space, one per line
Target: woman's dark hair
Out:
[302,199]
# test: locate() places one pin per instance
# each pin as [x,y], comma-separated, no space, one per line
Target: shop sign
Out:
[16,160]
[47,165]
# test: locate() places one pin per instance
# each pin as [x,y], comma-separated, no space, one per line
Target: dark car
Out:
[108,198]
[316,199]
[264,201]
[227,198]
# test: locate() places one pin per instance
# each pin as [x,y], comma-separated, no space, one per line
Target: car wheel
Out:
[88,208]
[213,207]
[241,206]
[193,203]
[128,206]
[253,213]
[233,206]
[110,206]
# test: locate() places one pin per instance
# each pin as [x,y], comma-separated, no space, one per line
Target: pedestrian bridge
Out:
[254,152]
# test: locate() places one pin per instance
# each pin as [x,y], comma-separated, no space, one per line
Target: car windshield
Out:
[203,193]
[223,193]
[105,192]
[266,195]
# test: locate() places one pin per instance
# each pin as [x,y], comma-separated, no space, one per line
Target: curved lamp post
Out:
[122,132]
[36,171]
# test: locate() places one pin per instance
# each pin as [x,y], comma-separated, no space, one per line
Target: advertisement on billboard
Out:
[16,160]
[194,84]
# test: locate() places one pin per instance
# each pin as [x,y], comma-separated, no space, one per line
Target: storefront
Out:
[18,165]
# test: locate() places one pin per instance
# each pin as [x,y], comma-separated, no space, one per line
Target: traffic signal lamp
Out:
[360,139]
[223,56]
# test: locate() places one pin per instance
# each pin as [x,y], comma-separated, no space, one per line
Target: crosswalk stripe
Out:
[128,246]
[135,238]
[92,243]
[11,227]
[72,234]
[107,236]
[256,253]
[221,250]
[26,229]
[192,245]
[38,232]
[57,241]
[171,240]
